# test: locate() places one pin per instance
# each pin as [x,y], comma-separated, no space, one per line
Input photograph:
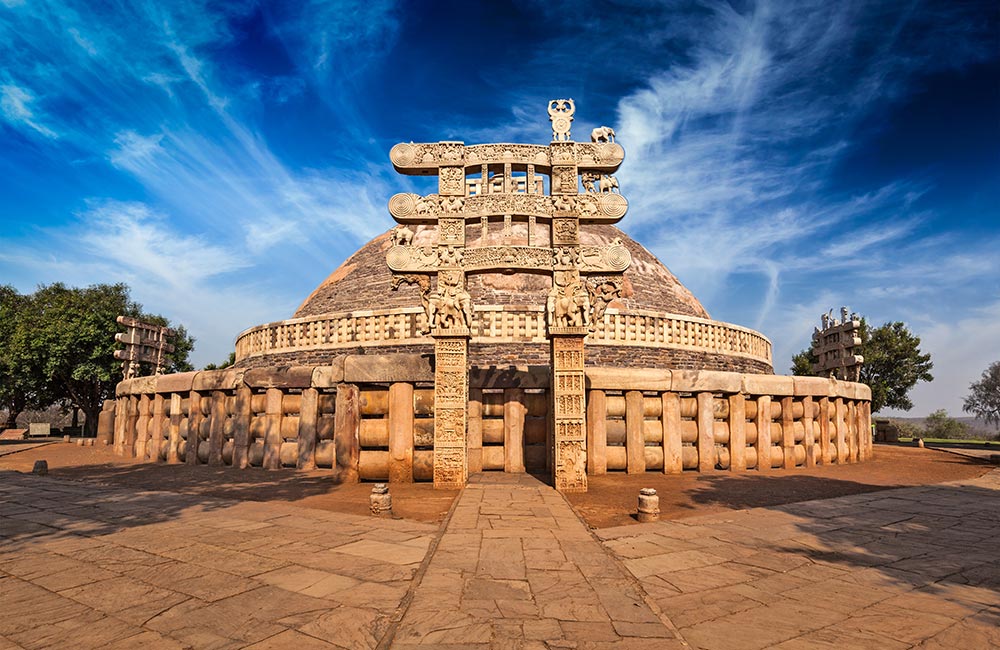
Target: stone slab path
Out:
[84,566]
[88,566]
[908,568]
[516,568]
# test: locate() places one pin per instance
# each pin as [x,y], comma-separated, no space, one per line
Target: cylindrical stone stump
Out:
[381,500]
[649,505]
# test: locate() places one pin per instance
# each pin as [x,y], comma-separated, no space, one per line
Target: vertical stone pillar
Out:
[451,397]
[673,459]
[787,433]
[217,428]
[106,422]
[174,440]
[474,427]
[308,416]
[706,432]
[840,427]
[120,424]
[568,410]
[763,421]
[346,427]
[824,430]
[401,432]
[853,439]
[194,428]
[808,441]
[597,433]
[131,418]
[868,430]
[241,427]
[513,430]
[142,428]
[635,441]
[272,429]
[156,435]
[737,433]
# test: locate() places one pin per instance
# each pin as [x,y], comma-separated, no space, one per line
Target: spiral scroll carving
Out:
[613,205]
[618,258]
[402,154]
[403,205]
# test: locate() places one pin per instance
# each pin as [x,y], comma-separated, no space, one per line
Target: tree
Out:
[984,396]
[893,364]
[939,425]
[230,360]
[68,336]
[22,387]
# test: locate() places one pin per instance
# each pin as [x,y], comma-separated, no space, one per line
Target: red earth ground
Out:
[611,500]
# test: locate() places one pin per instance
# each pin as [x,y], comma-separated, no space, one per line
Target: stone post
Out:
[194,427]
[241,427]
[272,429]
[513,429]
[824,430]
[346,426]
[706,432]
[401,432]
[308,415]
[106,422]
[568,410]
[787,433]
[156,435]
[597,433]
[737,433]
[673,460]
[763,421]
[841,429]
[173,442]
[474,427]
[635,440]
[141,427]
[217,428]
[808,426]
[451,397]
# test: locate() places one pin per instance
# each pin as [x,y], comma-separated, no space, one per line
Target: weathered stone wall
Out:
[371,417]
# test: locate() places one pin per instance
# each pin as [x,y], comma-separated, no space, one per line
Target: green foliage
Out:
[984,396]
[893,364]
[802,363]
[21,387]
[939,425]
[62,344]
[230,360]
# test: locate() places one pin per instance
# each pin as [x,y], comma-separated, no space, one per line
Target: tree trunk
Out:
[90,414]
[11,422]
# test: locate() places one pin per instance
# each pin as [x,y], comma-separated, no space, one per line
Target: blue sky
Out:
[782,157]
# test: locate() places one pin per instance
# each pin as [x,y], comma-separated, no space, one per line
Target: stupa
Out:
[505,324]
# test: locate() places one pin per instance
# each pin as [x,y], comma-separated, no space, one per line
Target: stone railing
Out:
[371,417]
[495,324]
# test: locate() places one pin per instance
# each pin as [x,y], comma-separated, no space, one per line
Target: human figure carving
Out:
[602,134]
[589,181]
[451,306]
[600,297]
[563,203]
[568,303]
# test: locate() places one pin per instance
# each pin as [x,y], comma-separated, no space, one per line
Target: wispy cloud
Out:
[16,103]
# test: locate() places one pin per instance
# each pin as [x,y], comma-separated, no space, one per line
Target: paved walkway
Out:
[516,568]
[908,568]
[84,566]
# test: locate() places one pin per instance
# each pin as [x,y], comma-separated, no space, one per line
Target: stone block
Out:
[224,379]
[715,381]
[775,385]
[382,368]
[328,376]
[180,382]
[629,378]
[138,385]
[863,391]
[814,386]
[509,377]
[280,377]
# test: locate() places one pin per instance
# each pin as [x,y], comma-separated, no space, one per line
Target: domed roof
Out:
[363,281]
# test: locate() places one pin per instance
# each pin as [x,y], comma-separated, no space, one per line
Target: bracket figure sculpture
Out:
[401,236]
[609,184]
[568,303]
[450,307]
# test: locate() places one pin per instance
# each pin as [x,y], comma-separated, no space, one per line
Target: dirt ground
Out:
[316,489]
[611,500]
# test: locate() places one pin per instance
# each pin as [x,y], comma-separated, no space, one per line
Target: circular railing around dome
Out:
[501,324]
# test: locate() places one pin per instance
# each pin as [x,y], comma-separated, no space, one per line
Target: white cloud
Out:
[16,104]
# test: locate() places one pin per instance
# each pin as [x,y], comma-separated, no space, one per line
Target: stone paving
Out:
[907,568]
[516,568]
[87,566]
[83,566]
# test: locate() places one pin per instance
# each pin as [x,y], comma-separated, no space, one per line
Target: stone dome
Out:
[363,281]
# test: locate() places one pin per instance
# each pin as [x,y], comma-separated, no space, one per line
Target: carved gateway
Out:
[500,192]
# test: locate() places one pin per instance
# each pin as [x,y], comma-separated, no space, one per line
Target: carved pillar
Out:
[217,429]
[175,429]
[568,411]
[308,417]
[451,395]
[597,433]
